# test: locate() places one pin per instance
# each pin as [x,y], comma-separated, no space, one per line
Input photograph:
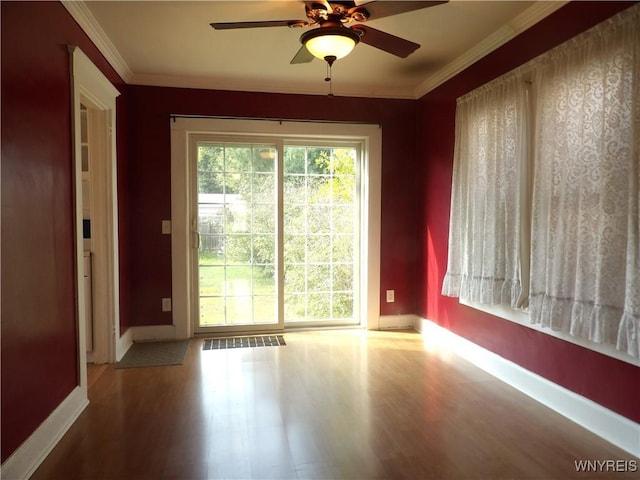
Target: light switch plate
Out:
[166,304]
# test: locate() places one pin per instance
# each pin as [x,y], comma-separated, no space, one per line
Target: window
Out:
[581,201]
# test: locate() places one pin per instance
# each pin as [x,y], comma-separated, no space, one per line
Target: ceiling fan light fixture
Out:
[330,42]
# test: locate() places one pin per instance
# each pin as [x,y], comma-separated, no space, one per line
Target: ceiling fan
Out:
[340,28]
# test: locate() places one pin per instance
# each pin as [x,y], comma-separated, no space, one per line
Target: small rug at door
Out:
[241,342]
[154,354]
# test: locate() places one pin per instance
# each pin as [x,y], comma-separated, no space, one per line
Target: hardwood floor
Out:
[329,405]
[94,372]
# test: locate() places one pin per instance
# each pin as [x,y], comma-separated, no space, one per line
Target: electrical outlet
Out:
[166,304]
[166,227]
[391,296]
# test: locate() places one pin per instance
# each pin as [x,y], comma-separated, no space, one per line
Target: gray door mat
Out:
[155,354]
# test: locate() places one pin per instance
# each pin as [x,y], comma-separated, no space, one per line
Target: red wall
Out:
[38,349]
[609,382]
[149,182]
[39,352]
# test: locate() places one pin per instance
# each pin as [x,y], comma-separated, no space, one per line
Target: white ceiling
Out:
[170,43]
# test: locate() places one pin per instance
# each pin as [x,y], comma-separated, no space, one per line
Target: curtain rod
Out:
[174,117]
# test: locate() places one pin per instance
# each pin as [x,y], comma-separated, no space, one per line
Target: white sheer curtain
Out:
[585,250]
[566,239]
[485,224]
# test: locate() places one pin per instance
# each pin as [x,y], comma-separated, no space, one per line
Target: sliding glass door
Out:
[277,234]
[321,218]
[236,227]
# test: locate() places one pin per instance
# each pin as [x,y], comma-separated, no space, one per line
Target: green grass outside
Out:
[245,304]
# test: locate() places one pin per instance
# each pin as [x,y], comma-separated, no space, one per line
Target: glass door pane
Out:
[237,199]
[321,235]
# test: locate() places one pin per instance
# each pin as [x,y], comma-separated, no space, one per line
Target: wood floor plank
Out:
[341,404]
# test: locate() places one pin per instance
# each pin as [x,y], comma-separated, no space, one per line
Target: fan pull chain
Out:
[330,60]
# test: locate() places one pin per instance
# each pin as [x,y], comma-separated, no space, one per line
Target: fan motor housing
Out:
[344,12]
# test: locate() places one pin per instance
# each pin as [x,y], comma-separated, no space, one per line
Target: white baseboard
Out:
[143,334]
[154,332]
[396,322]
[123,344]
[28,457]
[612,427]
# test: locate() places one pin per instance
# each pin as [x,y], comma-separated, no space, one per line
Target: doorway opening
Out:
[96,214]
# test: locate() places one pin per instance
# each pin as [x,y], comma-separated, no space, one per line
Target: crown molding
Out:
[296,88]
[517,25]
[81,14]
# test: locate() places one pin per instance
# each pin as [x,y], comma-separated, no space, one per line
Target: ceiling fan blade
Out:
[386,9]
[270,23]
[303,56]
[385,41]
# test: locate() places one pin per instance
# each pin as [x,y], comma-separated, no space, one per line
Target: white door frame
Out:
[181,232]
[93,89]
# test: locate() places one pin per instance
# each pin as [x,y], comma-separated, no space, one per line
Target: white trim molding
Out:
[81,14]
[124,343]
[274,86]
[612,427]
[143,334]
[516,26]
[396,322]
[90,25]
[154,332]
[91,88]
[28,456]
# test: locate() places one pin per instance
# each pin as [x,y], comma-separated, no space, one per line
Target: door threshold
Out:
[236,333]
[302,328]
[320,328]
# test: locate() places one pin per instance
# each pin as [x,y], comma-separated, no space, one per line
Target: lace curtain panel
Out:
[585,247]
[565,239]
[485,234]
